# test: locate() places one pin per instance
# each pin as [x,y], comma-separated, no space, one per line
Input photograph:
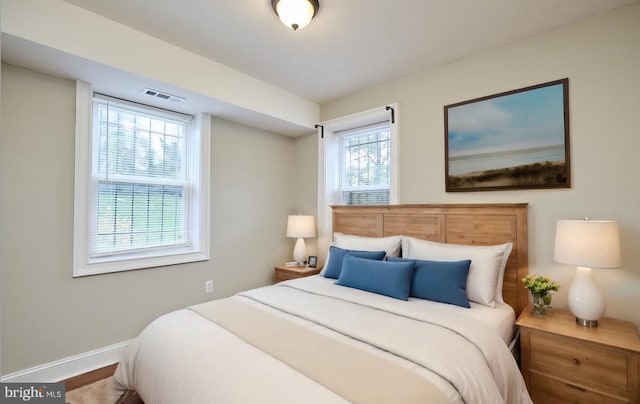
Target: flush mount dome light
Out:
[295,14]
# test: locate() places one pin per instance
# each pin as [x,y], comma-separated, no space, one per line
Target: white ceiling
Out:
[349,46]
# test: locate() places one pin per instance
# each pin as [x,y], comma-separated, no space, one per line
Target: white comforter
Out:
[184,358]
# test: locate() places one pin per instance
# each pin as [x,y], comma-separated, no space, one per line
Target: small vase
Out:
[540,303]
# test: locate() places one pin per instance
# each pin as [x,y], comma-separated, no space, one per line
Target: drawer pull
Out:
[576,387]
[576,361]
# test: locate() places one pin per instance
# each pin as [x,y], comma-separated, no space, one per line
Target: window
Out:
[142,201]
[365,157]
[357,162]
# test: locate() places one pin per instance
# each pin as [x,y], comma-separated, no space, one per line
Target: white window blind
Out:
[365,165]
[141,177]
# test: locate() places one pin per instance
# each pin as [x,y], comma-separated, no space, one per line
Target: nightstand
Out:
[562,361]
[285,273]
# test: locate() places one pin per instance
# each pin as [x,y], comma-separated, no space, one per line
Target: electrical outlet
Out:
[208,286]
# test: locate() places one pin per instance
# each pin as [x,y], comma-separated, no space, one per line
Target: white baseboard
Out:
[62,369]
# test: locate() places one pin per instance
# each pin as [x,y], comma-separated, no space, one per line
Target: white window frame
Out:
[329,161]
[342,164]
[84,203]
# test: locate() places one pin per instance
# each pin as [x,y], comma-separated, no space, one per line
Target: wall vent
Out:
[164,96]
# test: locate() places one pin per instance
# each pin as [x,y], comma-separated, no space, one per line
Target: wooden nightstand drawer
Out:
[563,362]
[547,390]
[283,276]
[582,363]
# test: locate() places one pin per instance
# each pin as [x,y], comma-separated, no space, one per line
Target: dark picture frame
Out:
[517,139]
[313,261]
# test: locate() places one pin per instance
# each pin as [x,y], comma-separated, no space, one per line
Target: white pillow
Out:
[326,261]
[484,283]
[391,244]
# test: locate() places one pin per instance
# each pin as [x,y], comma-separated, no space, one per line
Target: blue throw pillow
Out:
[391,279]
[336,255]
[440,281]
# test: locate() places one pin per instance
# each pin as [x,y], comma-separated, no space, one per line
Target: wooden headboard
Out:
[477,224]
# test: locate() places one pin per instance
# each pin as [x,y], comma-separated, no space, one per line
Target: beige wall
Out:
[46,314]
[305,187]
[601,58]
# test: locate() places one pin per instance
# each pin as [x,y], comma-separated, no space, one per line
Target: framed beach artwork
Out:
[513,140]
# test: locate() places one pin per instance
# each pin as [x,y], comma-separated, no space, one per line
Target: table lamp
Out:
[586,244]
[299,226]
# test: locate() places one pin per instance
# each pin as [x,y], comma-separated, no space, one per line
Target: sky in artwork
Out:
[519,121]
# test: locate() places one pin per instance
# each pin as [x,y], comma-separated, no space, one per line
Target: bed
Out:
[369,333]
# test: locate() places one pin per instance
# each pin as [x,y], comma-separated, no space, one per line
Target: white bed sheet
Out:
[501,318]
[183,356]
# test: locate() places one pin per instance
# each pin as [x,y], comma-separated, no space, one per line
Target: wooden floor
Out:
[75,382]
[84,379]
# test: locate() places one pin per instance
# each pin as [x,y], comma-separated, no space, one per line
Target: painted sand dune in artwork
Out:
[543,174]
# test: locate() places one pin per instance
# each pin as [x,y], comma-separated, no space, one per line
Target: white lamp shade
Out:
[587,243]
[299,226]
[295,14]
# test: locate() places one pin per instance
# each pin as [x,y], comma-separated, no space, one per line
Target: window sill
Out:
[112,265]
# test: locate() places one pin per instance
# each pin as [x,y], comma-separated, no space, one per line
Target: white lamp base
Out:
[585,299]
[300,251]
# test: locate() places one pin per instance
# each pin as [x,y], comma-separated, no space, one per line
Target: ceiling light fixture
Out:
[295,14]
